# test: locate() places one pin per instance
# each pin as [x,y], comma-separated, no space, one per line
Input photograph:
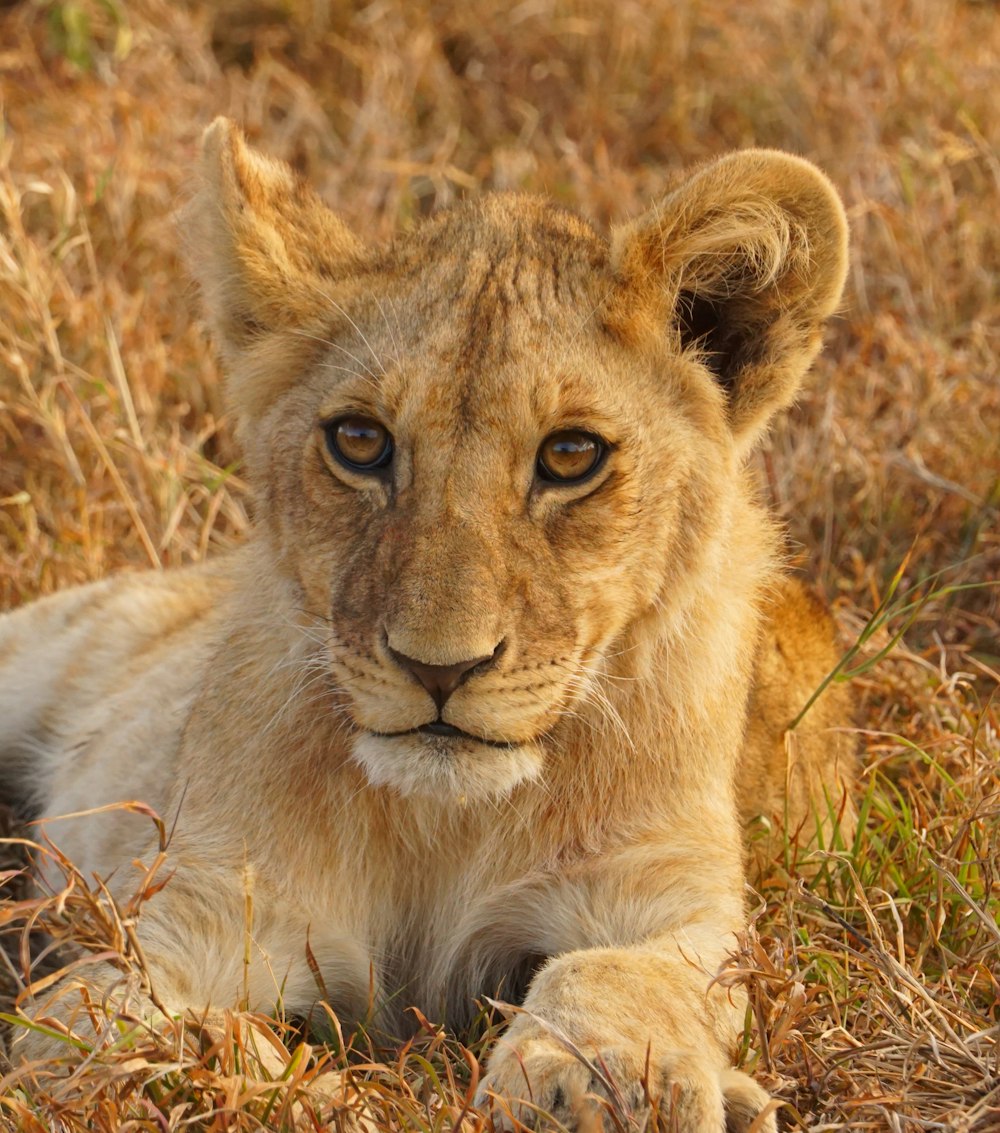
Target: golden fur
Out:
[577,843]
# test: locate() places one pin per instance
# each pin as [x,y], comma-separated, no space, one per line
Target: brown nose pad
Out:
[442,680]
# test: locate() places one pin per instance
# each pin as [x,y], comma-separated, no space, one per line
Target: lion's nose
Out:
[442,680]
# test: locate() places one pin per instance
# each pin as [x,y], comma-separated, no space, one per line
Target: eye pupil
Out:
[359,443]
[569,456]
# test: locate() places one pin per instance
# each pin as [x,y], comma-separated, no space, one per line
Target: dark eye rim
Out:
[547,477]
[379,464]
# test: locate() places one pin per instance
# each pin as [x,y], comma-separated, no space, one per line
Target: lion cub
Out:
[469,710]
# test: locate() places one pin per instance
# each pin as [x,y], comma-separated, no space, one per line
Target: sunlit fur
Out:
[579,845]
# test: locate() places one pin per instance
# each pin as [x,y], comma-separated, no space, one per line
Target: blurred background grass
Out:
[875,989]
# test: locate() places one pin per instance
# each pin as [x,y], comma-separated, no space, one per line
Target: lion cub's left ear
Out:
[741,265]
[266,250]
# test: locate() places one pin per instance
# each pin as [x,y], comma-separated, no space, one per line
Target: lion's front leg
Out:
[626,1028]
[629,1011]
[210,947]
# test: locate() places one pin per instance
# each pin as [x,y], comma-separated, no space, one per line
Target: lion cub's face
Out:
[486,490]
[484,452]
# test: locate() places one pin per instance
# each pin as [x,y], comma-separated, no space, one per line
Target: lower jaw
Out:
[444,767]
[439,729]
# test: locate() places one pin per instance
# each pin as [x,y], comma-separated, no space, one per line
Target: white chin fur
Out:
[445,767]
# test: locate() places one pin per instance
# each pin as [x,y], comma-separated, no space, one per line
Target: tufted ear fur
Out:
[264,247]
[741,263]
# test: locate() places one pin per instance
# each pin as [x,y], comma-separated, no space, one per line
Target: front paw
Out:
[537,1077]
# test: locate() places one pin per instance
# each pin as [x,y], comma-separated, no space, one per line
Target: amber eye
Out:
[359,443]
[570,456]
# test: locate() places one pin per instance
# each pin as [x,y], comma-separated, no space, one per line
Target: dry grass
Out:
[874,988]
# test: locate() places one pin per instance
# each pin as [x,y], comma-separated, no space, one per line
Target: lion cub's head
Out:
[487,450]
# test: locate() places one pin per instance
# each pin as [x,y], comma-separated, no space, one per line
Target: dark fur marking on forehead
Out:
[501,259]
[495,224]
[487,330]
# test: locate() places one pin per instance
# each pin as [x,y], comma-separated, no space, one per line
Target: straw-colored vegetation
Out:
[874,985]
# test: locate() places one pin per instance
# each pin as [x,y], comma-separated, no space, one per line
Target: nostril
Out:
[440,681]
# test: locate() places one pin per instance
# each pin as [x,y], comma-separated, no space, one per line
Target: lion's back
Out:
[94,684]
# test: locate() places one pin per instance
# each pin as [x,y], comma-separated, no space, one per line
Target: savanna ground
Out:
[874,985]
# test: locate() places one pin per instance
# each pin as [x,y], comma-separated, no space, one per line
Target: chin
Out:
[459,768]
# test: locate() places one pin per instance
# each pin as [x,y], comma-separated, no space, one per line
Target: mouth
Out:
[439,761]
[440,728]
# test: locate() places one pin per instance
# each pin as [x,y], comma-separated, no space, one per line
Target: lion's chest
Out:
[443,947]
[449,913]
[452,954]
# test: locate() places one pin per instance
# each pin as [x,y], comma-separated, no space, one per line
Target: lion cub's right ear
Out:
[266,250]
[740,266]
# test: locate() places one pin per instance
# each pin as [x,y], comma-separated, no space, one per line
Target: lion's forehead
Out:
[508,261]
[504,337]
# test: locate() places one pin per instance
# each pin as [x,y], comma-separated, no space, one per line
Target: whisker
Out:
[301,686]
[361,334]
[392,337]
[343,349]
[587,684]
